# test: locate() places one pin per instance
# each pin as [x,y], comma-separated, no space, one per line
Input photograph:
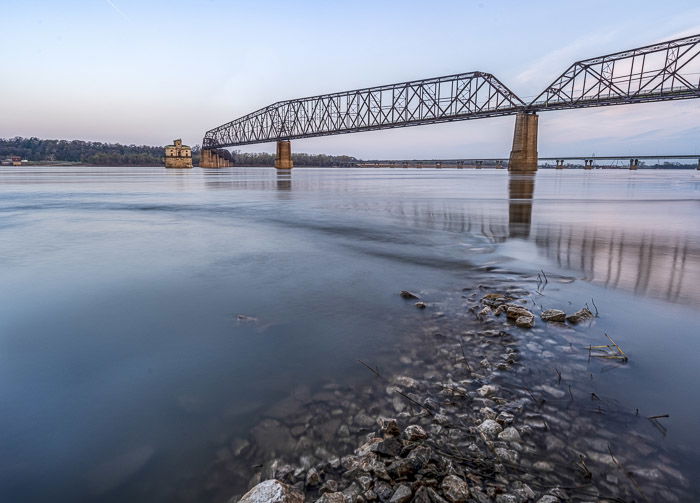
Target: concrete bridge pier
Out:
[211,159]
[523,156]
[588,164]
[634,163]
[559,164]
[284,155]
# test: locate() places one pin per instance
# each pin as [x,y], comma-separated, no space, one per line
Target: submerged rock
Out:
[421,305]
[515,312]
[580,315]
[553,315]
[525,321]
[408,295]
[272,491]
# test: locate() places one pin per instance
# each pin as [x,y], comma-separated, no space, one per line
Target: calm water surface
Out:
[121,359]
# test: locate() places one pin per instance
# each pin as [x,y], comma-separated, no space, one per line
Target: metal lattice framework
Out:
[659,72]
[455,97]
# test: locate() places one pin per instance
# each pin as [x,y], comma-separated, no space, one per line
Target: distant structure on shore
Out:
[178,155]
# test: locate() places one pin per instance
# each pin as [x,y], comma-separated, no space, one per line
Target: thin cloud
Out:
[118,10]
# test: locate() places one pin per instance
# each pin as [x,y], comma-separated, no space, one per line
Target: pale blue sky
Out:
[149,71]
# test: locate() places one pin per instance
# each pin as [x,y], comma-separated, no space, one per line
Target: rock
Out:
[313,478]
[363,420]
[388,426]
[335,497]
[580,315]
[403,467]
[408,295]
[406,382]
[415,432]
[455,489]
[383,490]
[343,431]
[273,491]
[515,312]
[487,390]
[485,311]
[548,498]
[390,447]
[402,494]
[506,455]
[544,466]
[441,419]
[505,418]
[553,315]
[487,413]
[427,495]
[490,427]
[510,434]
[421,305]
[525,321]
[506,498]
[329,486]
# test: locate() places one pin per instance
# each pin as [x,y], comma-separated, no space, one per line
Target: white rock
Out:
[490,427]
[487,390]
[510,434]
[272,491]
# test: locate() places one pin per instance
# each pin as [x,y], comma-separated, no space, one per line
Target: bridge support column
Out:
[588,164]
[560,164]
[284,155]
[523,157]
[634,163]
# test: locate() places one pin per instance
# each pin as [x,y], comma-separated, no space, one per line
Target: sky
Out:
[146,72]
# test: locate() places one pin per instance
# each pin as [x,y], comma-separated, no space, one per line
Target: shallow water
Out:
[122,363]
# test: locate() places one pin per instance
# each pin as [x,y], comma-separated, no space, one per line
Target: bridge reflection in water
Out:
[648,260]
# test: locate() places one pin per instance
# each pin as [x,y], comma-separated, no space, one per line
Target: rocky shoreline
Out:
[464,416]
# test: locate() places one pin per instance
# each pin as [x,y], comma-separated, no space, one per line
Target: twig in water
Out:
[659,416]
[596,307]
[545,277]
[371,369]
[558,374]
[461,344]
[570,393]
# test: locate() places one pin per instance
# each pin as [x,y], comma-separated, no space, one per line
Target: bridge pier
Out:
[560,164]
[634,163]
[211,159]
[284,155]
[588,164]
[523,156]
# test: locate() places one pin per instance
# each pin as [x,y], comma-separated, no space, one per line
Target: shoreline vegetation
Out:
[88,153]
[488,402]
[40,152]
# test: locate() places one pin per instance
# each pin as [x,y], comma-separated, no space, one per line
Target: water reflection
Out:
[520,190]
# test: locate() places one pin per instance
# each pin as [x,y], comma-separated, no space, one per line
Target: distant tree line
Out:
[264,159]
[115,154]
[84,152]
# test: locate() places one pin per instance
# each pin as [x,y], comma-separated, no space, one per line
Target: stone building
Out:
[178,155]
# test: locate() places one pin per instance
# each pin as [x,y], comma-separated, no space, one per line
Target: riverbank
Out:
[464,415]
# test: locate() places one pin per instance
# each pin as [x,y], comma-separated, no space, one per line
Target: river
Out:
[124,363]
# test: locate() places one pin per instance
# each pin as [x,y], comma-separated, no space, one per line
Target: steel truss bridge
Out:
[659,72]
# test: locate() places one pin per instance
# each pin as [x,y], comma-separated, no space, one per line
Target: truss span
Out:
[442,99]
[660,72]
